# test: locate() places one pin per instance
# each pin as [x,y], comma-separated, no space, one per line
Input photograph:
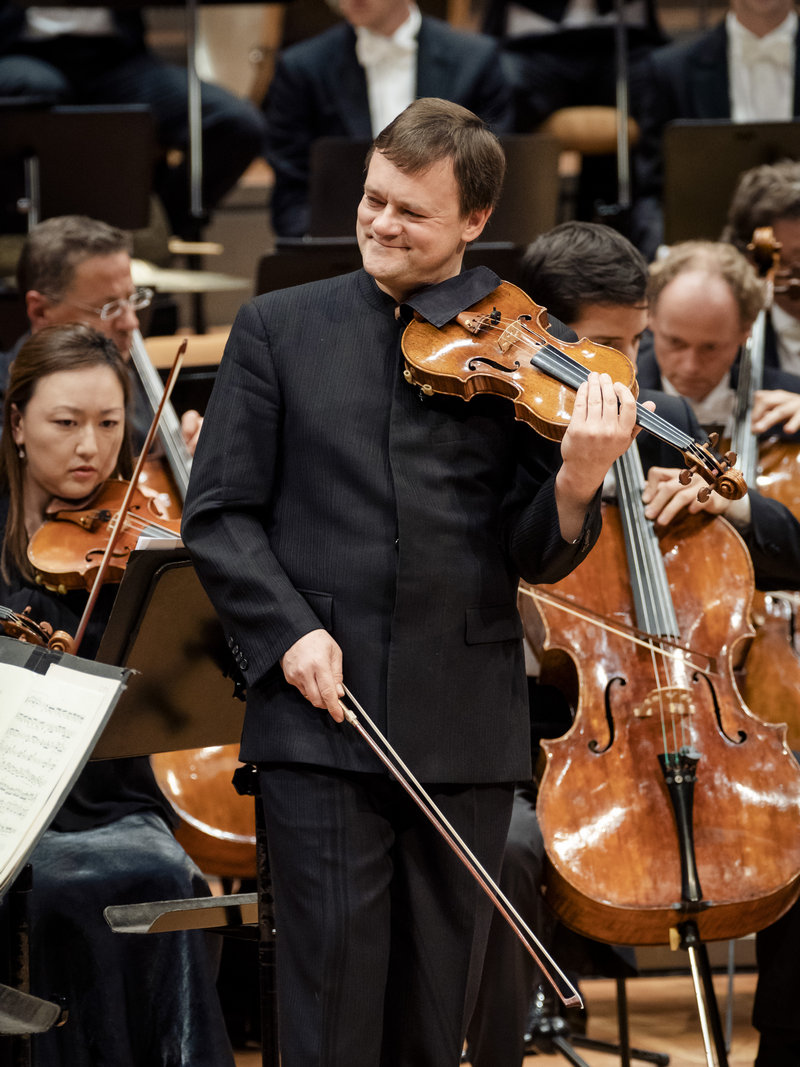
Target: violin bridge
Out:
[670,700]
[513,334]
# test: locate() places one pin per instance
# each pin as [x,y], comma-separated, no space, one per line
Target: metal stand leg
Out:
[245,781]
[18,896]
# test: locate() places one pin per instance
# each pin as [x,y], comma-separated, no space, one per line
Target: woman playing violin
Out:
[137,1002]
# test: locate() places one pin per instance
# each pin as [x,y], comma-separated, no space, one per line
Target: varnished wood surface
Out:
[663,1018]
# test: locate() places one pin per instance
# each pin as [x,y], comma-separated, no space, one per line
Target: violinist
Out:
[143,1002]
[76,269]
[353,531]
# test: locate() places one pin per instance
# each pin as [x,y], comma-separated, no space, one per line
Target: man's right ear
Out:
[36,305]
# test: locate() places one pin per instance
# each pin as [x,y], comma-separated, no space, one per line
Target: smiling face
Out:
[71,430]
[410,229]
[697,332]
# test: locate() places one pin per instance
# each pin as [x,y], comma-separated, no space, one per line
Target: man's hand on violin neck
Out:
[313,665]
[601,428]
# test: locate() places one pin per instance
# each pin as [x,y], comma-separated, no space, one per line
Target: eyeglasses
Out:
[140,298]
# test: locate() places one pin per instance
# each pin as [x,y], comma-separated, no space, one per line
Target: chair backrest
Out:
[306,261]
[95,161]
[703,160]
[528,206]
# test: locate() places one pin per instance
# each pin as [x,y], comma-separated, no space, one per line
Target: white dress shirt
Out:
[713,412]
[761,71]
[390,64]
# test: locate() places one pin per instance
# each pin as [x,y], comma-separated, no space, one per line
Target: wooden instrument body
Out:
[604,809]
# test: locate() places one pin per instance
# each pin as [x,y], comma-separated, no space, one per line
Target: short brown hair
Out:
[49,350]
[762,196]
[55,247]
[713,258]
[430,130]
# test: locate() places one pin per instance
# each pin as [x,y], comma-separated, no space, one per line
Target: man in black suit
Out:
[96,55]
[745,69]
[349,526]
[355,77]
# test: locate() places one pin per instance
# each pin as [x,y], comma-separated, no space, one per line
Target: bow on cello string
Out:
[97,530]
[501,346]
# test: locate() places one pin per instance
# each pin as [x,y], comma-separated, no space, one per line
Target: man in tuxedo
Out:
[744,69]
[96,55]
[354,78]
[351,528]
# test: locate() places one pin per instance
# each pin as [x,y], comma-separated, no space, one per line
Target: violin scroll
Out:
[23,628]
[718,472]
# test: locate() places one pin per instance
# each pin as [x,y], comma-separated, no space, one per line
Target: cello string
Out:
[661,648]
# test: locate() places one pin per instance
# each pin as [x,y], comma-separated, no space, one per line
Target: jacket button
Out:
[243,664]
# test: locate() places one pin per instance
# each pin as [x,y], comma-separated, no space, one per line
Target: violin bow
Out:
[126,500]
[379,744]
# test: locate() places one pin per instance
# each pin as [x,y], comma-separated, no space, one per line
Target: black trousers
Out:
[380,929]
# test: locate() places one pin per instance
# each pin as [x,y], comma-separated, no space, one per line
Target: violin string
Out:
[572,373]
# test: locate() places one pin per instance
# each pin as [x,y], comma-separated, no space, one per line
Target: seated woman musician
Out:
[132,1001]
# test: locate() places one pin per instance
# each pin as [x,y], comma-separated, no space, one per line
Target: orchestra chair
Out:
[198,373]
[583,131]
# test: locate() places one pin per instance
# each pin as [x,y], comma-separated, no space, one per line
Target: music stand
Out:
[703,160]
[188,695]
[40,148]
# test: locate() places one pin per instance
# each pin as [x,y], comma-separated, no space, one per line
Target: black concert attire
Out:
[327,492]
[320,90]
[133,1001]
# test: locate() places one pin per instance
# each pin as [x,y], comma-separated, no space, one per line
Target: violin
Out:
[501,346]
[22,627]
[668,801]
[65,552]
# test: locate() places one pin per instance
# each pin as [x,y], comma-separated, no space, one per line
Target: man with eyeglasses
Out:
[76,269]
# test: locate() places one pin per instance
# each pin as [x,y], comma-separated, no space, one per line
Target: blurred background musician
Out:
[769,196]
[97,55]
[76,269]
[562,54]
[141,1002]
[702,300]
[355,77]
[744,69]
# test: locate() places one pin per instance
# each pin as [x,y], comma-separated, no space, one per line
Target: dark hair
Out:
[430,130]
[714,258]
[762,196]
[49,350]
[581,263]
[55,247]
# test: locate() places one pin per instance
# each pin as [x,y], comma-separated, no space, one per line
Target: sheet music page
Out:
[47,725]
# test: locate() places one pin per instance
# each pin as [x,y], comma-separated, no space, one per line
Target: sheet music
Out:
[48,723]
